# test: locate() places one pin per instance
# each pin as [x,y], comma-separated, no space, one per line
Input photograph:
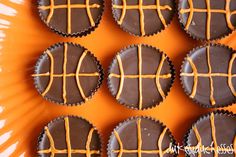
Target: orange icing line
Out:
[166,76]
[120,143]
[121,77]
[190,14]
[72,6]
[89,13]
[68,75]
[211,80]
[51,11]
[77,77]
[160,14]
[64,72]
[230,83]
[52,150]
[213,133]
[142,29]
[51,73]
[145,7]
[139,138]
[195,81]
[68,17]
[208,75]
[158,78]
[208,19]
[124,7]
[234,146]
[160,142]
[228,15]
[89,139]
[140,76]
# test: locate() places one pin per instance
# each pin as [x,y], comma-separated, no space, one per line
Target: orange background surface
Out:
[23,112]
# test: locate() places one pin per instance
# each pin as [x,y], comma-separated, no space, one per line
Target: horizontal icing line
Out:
[143,7]
[72,6]
[183,11]
[142,151]
[207,75]
[64,151]
[68,75]
[142,76]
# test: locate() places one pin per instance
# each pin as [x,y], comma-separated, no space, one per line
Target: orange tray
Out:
[23,112]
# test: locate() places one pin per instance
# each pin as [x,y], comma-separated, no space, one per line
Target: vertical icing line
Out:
[64,72]
[160,14]
[228,14]
[198,139]
[120,143]
[195,81]
[230,83]
[51,12]
[140,7]
[140,76]
[190,2]
[160,140]
[139,150]
[77,77]
[159,88]
[208,31]
[210,77]
[68,143]
[123,12]
[51,73]
[89,13]
[213,134]
[89,139]
[121,77]
[68,16]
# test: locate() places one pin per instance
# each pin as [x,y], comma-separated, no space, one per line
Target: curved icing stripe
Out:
[139,150]
[159,88]
[195,81]
[51,73]
[69,151]
[140,76]
[77,77]
[160,14]
[230,83]
[191,10]
[124,7]
[64,72]
[160,140]
[89,13]
[121,77]
[51,11]
[211,80]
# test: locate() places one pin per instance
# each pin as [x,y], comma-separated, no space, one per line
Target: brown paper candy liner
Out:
[211,131]
[88,9]
[61,57]
[61,129]
[141,136]
[190,72]
[157,83]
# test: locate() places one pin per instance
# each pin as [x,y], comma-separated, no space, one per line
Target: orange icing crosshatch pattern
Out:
[24,113]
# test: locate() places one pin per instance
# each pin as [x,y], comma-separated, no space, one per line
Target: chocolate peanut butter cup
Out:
[68,74]
[69,136]
[141,136]
[140,76]
[213,135]
[71,17]
[208,75]
[207,19]
[143,17]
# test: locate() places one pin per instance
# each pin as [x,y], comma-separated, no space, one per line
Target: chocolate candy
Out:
[141,136]
[208,19]
[209,75]
[69,136]
[212,135]
[67,74]
[140,76]
[142,17]
[71,17]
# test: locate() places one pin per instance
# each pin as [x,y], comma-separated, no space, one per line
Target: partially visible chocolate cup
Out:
[71,18]
[212,135]
[208,75]
[140,77]
[69,136]
[141,136]
[67,74]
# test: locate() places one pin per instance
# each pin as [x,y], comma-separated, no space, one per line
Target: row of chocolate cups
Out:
[212,135]
[203,20]
[139,77]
